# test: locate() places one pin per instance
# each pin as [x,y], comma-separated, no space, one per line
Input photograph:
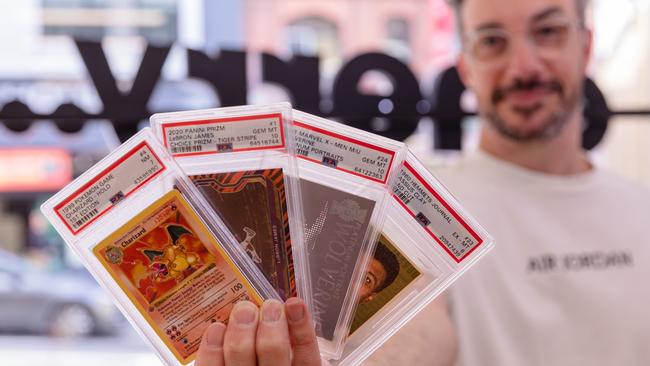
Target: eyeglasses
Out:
[548,37]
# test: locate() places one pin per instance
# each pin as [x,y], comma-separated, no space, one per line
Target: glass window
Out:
[398,40]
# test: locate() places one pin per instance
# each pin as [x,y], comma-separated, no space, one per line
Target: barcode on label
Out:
[404,198]
[186,149]
[87,217]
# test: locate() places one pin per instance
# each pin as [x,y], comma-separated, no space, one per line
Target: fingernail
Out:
[214,335]
[244,313]
[271,311]
[295,310]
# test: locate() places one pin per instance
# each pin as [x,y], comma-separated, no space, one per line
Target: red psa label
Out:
[434,214]
[342,153]
[98,196]
[219,135]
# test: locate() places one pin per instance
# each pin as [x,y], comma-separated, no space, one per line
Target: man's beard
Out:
[551,127]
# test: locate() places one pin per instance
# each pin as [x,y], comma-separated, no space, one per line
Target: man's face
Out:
[525,61]
[375,277]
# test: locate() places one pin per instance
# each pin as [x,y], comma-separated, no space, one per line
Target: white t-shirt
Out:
[568,282]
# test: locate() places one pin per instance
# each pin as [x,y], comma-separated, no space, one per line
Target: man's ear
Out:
[463,71]
[588,47]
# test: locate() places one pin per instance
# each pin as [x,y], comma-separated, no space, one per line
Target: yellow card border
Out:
[193,218]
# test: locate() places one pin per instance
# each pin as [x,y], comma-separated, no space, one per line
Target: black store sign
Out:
[226,73]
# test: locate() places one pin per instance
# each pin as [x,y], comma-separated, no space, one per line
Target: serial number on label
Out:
[151,171]
[379,174]
[459,244]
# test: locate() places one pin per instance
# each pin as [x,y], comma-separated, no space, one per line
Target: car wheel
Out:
[71,321]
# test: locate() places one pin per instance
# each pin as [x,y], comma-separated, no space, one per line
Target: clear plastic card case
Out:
[242,160]
[149,238]
[428,240]
[346,175]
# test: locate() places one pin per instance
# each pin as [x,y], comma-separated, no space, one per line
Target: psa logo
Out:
[423,220]
[224,147]
[117,197]
[332,163]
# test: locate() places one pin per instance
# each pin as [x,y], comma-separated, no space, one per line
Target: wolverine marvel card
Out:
[175,273]
[337,222]
[253,205]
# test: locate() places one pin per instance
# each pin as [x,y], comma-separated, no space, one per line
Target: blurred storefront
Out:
[118,61]
[35,163]
[621,69]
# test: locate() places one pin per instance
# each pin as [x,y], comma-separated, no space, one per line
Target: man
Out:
[566,283]
[381,273]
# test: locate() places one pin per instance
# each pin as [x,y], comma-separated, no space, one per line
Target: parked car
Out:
[66,303]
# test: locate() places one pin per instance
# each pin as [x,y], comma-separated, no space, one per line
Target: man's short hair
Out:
[390,263]
[581,6]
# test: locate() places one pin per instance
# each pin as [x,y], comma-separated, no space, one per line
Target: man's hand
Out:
[267,336]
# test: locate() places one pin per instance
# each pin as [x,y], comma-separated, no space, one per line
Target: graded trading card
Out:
[336,223]
[388,273]
[242,159]
[147,235]
[174,272]
[254,207]
[427,241]
[346,174]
